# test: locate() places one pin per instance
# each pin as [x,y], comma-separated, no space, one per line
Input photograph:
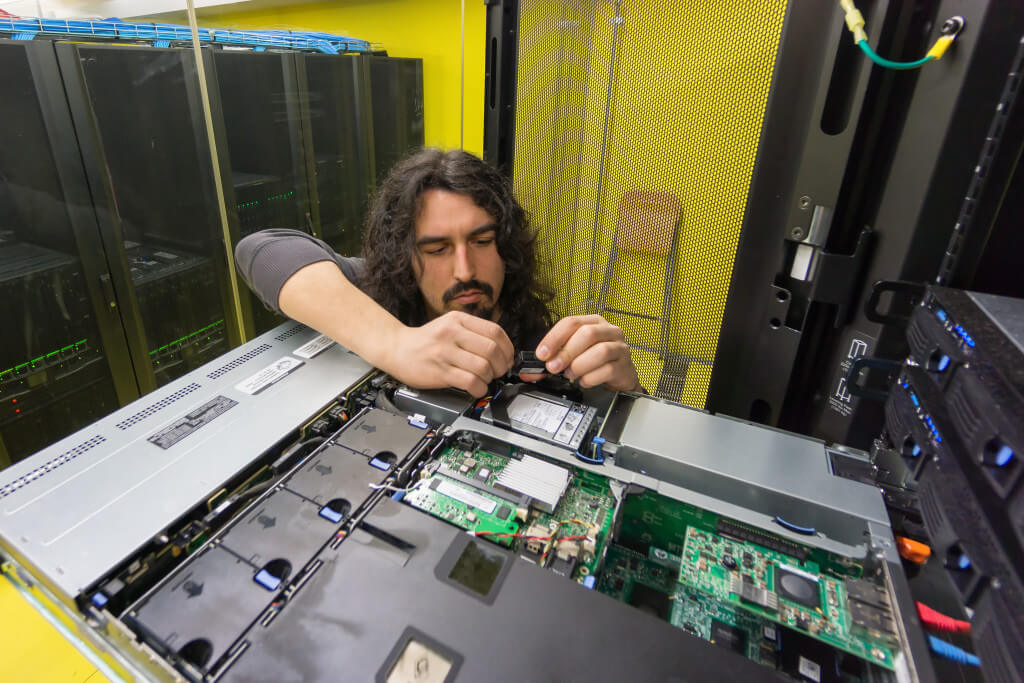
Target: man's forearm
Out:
[320,296]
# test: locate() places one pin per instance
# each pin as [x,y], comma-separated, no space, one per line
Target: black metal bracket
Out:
[836,276]
[501,61]
[914,291]
[853,375]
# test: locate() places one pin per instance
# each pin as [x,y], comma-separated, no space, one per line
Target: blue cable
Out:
[805,530]
[590,461]
[952,652]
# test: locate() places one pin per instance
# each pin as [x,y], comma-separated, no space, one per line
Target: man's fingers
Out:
[595,357]
[556,337]
[589,332]
[486,349]
[617,375]
[472,363]
[467,381]
[492,331]
[532,376]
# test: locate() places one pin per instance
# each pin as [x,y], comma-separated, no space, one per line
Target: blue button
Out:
[963,562]
[943,363]
[267,580]
[590,581]
[99,599]
[330,515]
[941,315]
[1004,456]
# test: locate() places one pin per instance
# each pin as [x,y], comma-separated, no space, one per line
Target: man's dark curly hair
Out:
[389,241]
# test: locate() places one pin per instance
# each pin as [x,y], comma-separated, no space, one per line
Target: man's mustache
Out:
[469,285]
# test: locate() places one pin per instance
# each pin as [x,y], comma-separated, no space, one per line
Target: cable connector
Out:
[952,652]
[951,28]
[854,20]
[937,621]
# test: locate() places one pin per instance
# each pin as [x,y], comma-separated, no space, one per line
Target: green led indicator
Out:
[191,335]
[32,363]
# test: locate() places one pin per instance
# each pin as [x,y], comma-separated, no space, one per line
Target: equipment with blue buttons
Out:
[956,416]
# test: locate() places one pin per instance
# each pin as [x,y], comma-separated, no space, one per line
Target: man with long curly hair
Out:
[447,287]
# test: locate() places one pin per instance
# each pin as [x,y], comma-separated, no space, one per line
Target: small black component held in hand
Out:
[527,363]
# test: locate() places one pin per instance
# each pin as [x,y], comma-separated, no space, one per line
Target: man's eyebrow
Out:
[433,239]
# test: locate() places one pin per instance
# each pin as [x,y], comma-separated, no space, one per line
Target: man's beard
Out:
[478,308]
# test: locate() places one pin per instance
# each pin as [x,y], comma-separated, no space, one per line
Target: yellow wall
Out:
[405,28]
[689,89]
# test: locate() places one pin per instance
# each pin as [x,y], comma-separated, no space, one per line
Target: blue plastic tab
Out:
[914,399]
[99,599]
[161,43]
[590,581]
[398,495]
[943,363]
[941,315]
[267,580]
[331,515]
[963,562]
[1004,456]
[380,464]
[916,451]
[805,530]
[416,422]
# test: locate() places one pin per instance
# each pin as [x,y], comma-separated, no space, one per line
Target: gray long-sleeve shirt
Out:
[266,259]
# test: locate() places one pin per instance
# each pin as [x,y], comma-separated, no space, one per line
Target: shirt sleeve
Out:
[266,259]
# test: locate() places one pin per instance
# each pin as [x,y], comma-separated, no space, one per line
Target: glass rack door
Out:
[63,357]
[140,124]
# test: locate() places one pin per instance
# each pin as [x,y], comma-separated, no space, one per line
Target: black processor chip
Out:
[729,637]
[797,588]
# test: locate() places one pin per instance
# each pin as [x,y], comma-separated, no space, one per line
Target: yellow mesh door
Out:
[662,98]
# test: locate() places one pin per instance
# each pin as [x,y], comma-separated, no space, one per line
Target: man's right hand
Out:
[454,350]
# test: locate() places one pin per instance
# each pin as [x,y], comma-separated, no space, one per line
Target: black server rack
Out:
[396,94]
[138,116]
[894,163]
[338,112]
[63,358]
[258,102]
[255,101]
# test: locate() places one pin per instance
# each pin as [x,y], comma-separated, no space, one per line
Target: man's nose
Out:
[464,269]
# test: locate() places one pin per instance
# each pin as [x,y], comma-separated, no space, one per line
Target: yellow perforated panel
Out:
[637,128]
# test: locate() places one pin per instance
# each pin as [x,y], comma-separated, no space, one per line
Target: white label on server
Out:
[569,425]
[810,670]
[312,348]
[465,496]
[268,375]
[543,415]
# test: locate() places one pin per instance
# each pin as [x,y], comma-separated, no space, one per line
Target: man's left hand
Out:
[591,350]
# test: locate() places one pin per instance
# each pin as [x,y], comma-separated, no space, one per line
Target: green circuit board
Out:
[778,587]
[478,508]
[461,490]
[649,583]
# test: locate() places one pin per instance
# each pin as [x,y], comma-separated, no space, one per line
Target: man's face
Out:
[457,265]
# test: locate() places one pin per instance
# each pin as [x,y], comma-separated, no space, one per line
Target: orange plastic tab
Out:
[913,551]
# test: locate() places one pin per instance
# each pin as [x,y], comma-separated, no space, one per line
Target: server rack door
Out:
[337,111]
[254,96]
[63,356]
[637,135]
[139,122]
[396,94]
